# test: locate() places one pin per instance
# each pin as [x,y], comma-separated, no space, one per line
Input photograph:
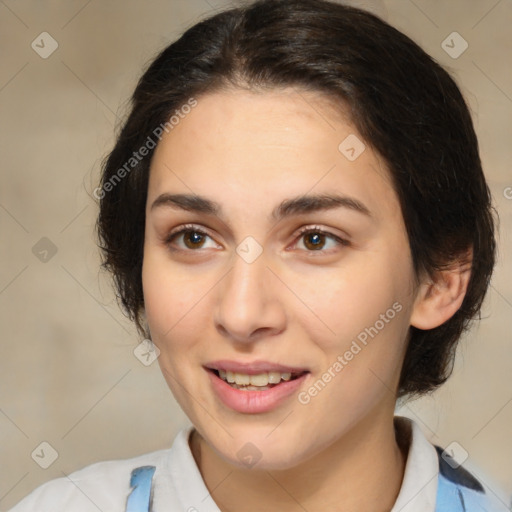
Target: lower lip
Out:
[254,401]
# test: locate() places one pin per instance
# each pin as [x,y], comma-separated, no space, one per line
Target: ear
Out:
[438,299]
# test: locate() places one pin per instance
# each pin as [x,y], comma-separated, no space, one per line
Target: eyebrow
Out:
[293,206]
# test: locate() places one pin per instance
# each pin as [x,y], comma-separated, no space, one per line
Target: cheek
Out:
[373,337]
[174,302]
[367,312]
[162,303]
[346,301]
[362,368]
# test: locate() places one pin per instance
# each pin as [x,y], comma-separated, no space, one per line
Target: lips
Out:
[253,367]
[254,386]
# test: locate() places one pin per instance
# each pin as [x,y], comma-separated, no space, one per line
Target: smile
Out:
[257,382]
[255,392]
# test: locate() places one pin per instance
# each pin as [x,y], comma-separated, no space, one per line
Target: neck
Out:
[362,470]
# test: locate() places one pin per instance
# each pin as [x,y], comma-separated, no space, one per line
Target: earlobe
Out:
[439,299]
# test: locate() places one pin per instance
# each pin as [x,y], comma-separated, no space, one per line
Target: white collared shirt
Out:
[419,485]
[179,486]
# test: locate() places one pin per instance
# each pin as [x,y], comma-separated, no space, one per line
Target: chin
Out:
[253,448]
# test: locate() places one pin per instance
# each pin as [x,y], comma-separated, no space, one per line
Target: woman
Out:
[295,213]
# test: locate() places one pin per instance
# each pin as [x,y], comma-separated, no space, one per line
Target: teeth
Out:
[242,380]
[260,380]
[274,377]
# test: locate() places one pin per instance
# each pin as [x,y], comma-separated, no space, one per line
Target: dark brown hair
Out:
[404,105]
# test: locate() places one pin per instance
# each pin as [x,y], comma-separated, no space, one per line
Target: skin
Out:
[293,305]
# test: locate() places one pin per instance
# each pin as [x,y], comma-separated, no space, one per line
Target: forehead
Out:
[260,147]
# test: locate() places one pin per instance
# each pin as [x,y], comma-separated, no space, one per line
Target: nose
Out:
[248,304]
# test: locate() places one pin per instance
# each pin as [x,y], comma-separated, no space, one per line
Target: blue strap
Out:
[459,491]
[139,499]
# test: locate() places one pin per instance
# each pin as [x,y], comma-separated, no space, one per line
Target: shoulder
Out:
[100,486]
[454,488]
[458,489]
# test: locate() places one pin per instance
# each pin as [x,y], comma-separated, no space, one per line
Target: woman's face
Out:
[242,290]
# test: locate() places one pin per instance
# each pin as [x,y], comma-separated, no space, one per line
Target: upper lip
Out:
[252,367]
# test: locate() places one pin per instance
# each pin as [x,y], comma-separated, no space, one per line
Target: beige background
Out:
[68,373]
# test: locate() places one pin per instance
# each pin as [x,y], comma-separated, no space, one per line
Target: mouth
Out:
[255,382]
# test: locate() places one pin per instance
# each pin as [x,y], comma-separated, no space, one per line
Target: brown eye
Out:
[315,240]
[193,239]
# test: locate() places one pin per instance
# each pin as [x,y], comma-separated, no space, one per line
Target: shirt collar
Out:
[418,491]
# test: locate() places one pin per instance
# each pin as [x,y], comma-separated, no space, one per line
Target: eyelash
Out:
[304,231]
